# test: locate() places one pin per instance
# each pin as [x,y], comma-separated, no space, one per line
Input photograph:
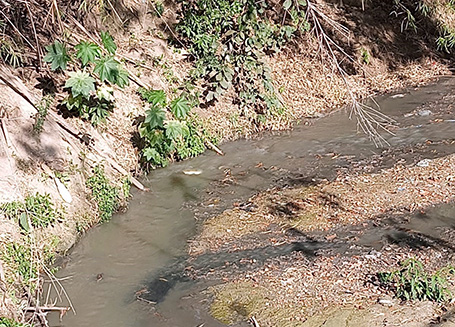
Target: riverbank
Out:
[344,232]
[96,164]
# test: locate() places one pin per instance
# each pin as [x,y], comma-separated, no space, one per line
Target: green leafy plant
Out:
[92,100]
[87,52]
[38,209]
[229,40]
[40,117]
[104,194]
[365,55]
[6,322]
[57,56]
[108,42]
[411,282]
[20,257]
[175,138]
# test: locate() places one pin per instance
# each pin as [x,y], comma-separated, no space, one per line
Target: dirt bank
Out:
[70,151]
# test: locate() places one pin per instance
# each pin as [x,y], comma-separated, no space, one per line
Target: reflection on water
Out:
[154,232]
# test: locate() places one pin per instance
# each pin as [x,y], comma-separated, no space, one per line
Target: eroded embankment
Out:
[70,148]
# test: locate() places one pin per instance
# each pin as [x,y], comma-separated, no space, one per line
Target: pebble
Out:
[192,172]
[423,163]
[424,113]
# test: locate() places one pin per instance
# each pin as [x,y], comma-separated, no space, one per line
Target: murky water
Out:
[115,260]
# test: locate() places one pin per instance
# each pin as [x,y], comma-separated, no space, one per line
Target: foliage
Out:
[410,10]
[57,56]
[6,322]
[10,52]
[91,100]
[108,42]
[104,194]
[40,116]
[81,84]
[169,139]
[229,39]
[87,52]
[20,257]
[38,209]
[411,282]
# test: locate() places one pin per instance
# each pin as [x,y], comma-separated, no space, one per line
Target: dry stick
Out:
[254,322]
[15,28]
[38,48]
[366,116]
[55,280]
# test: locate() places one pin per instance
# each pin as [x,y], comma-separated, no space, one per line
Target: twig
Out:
[5,132]
[254,322]
[214,147]
[38,48]
[369,120]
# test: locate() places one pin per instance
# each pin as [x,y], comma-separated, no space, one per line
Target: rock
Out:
[387,302]
[423,163]
[424,113]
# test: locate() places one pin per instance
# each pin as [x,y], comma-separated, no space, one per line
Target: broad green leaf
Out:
[175,129]
[122,78]
[287,4]
[80,83]
[23,222]
[57,56]
[87,52]
[108,42]
[155,117]
[108,69]
[155,97]
[105,93]
[180,107]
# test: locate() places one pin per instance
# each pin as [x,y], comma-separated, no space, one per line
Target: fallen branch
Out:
[213,147]
[369,119]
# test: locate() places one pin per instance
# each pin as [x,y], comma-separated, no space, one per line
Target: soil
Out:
[309,88]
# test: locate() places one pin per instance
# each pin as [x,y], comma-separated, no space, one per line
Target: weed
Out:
[104,194]
[170,139]
[411,282]
[40,116]
[36,209]
[229,39]
[6,322]
[19,257]
[365,55]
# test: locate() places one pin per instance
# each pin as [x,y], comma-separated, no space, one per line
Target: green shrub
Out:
[411,282]
[229,39]
[6,322]
[20,258]
[105,195]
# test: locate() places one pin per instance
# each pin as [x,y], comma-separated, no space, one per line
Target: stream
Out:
[146,246]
